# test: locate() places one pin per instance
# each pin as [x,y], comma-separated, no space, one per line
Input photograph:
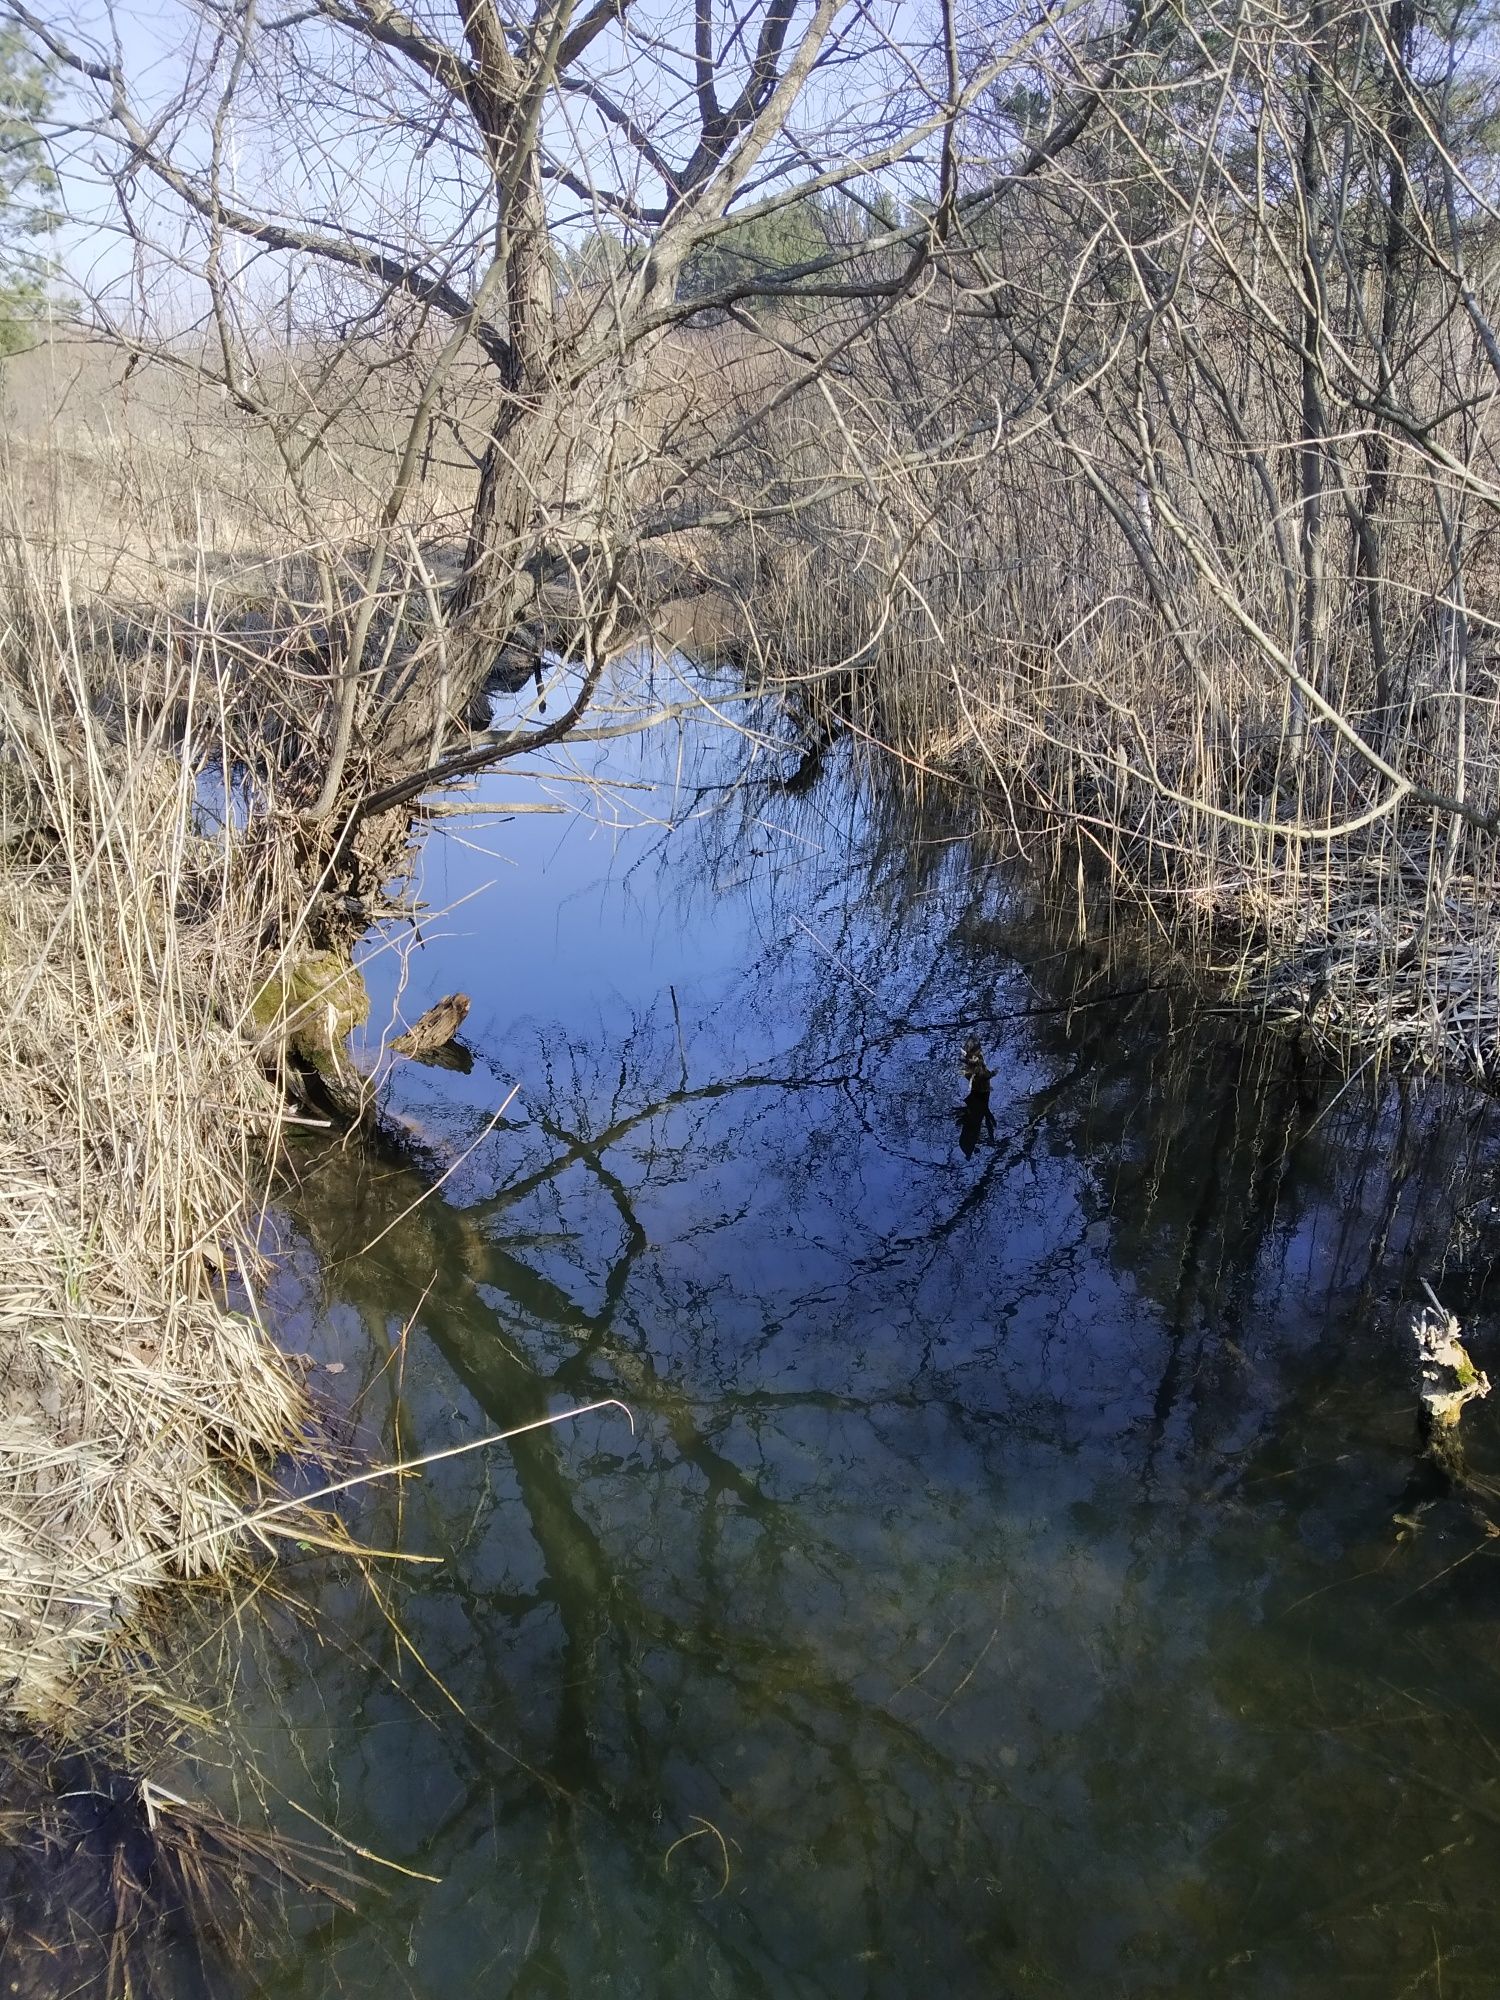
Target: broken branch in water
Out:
[1449,1378]
[435,1029]
[1448,1381]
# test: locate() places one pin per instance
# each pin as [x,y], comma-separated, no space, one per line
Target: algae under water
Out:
[999,1591]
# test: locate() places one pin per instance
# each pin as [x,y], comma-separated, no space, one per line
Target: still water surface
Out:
[998,1591]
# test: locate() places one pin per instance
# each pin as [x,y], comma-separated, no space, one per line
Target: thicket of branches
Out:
[1178,498]
[389,189]
[1106,389]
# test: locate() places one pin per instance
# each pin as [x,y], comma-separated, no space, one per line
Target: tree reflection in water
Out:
[999,1592]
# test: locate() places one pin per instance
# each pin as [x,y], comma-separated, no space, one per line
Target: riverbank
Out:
[1275,855]
[143,1402]
[1364,943]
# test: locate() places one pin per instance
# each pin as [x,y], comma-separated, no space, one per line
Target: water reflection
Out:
[999,1590]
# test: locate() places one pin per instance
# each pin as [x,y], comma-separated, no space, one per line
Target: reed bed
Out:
[153,897]
[144,1404]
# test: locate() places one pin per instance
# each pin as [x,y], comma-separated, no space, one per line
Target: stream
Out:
[994,1587]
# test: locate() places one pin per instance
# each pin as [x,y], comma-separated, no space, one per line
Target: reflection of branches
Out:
[881,1391]
[589,1152]
[605,1615]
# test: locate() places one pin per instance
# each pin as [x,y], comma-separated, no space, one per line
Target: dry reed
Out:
[141,1411]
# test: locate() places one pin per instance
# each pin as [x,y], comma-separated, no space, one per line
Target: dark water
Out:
[998,1591]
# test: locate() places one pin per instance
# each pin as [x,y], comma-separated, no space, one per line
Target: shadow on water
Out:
[999,1590]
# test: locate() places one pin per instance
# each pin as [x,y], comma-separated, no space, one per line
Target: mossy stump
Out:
[303,1015]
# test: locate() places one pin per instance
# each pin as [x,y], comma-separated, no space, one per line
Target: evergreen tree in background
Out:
[26,183]
[759,249]
[783,239]
[763,248]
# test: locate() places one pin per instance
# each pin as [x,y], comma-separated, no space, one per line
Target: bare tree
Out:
[422,170]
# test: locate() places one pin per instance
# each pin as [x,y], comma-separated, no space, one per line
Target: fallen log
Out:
[435,1030]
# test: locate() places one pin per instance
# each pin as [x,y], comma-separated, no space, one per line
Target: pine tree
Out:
[26,185]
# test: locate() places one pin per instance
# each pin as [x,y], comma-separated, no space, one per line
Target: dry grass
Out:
[168,500]
[143,1407]
[140,1411]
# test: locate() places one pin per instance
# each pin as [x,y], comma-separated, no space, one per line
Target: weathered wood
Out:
[436,1029]
[1449,1378]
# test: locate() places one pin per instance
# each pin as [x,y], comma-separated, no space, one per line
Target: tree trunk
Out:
[1313,615]
[1375,504]
[507,535]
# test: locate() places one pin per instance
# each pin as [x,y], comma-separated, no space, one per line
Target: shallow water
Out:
[994,1589]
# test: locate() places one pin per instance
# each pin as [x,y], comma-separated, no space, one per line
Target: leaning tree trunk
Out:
[506,543]
[550,488]
[555,484]
[559,466]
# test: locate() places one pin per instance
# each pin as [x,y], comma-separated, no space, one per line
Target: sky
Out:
[345,149]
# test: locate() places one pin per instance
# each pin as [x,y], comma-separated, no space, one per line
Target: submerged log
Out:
[307,1006]
[1449,1377]
[304,1013]
[436,1028]
[975,1115]
[1447,1382]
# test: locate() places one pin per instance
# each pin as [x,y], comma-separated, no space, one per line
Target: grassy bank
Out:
[156,970]
[143,1403]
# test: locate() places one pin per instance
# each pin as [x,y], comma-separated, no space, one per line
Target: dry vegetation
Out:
[147,1411]
[142,1407]
[167,503]
[1095,643]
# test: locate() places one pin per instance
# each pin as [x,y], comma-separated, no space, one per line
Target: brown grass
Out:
[141,1410]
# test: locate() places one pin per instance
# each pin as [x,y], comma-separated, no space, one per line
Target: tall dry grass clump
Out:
[138,1412]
